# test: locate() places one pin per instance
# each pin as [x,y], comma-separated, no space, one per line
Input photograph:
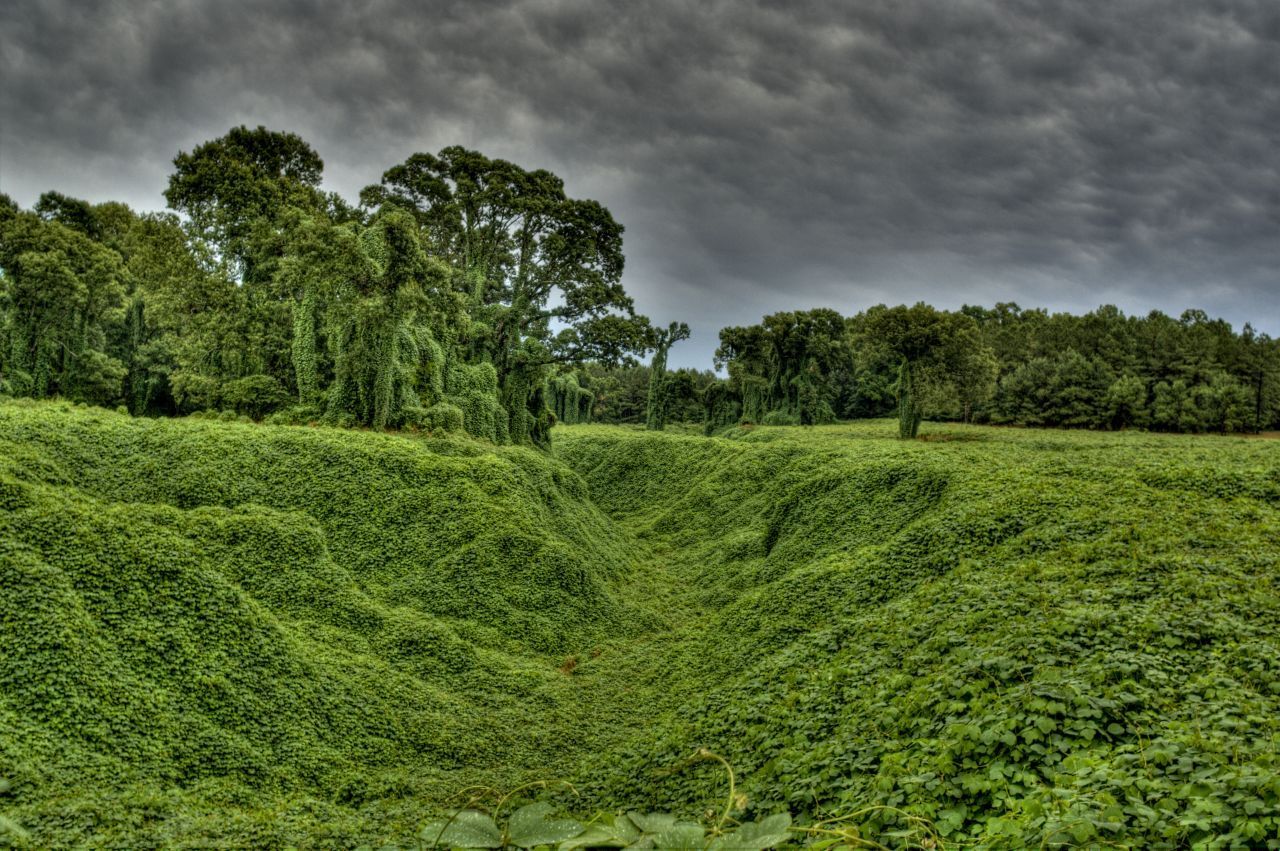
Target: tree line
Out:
[468,293]
[452,297]
[1001,365]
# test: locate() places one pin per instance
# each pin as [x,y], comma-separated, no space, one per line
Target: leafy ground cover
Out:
[268,635]
[1025,637]
[231,634]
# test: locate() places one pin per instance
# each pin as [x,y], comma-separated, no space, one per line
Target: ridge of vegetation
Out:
[199,617]
[236,634]
[467,294]
[1026,638]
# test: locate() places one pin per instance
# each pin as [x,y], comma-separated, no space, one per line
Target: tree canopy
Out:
[542,272]
[933,348]
[449,300]
[660,385]
[784,369]
[1003,364]
[468,292]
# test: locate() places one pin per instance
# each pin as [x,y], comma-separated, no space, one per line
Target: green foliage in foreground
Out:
[537,825]
[227,631]
[1027,638]
[529,827]
[238,635]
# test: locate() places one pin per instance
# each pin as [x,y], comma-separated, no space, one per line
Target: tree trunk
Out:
[909,415]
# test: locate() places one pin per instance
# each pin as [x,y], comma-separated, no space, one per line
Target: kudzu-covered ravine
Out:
[220,634]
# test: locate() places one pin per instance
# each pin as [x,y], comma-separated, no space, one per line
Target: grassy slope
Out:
[236,633]
[1024,636]
[257,633]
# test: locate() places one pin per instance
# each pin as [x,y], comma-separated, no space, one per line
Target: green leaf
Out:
[653,822]
[625,827]
[529,827]
[611,831]
[596,836]
[1082,831]
[756,836]
[467,829]
[681,837]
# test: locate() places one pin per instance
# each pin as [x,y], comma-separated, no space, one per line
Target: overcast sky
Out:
[762,155]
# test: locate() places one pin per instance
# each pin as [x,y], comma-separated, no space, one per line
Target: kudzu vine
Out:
[656,414]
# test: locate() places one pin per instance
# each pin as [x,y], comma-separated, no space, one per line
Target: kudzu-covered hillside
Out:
[233,634]
[199,617]
[1026,638]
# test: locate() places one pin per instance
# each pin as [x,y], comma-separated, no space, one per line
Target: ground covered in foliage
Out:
[220,633]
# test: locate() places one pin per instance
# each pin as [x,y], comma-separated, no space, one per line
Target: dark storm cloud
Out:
[763,156]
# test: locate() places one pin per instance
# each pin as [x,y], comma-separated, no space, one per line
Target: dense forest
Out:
[467,293]
[1000,365]
[446,300]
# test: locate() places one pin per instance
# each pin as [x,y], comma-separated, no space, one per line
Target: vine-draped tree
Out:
[378,343]
[659,403]
[930,346]
[368,309]
[541,271]
[784,369]
[238,194]
[62,293]
[570,400]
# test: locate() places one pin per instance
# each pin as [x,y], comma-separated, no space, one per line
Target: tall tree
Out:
[365,296]
[61,293]
[784,369]
[239,193]
[235,188]
[1258,368]
[530,259]
[924,340]
[664,339]
[570,401]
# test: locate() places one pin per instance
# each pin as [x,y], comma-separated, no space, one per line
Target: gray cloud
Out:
[763,155]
